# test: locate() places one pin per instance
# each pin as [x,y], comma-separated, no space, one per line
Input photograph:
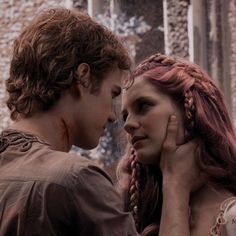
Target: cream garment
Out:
[226,220]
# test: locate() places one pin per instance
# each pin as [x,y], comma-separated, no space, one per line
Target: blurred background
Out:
[203,31]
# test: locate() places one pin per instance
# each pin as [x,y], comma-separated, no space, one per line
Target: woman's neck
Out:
[204,207]
[207,196]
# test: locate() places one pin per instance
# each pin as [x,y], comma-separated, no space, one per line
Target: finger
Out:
[192,145]
[171,134]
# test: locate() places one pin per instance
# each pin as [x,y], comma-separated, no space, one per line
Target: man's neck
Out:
[47,127]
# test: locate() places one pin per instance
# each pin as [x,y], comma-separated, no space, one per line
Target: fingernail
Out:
[173,118]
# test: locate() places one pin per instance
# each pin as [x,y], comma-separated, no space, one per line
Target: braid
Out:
[134,188]
[153,62]
[189,109]
[201,80]
[203,86]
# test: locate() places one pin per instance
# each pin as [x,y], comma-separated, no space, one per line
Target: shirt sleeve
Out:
[98,206]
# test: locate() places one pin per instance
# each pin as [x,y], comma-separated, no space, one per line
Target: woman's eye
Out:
[143,106]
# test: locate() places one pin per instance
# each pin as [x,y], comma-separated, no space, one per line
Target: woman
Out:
[163,86]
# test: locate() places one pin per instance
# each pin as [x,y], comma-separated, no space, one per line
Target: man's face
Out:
[94,111]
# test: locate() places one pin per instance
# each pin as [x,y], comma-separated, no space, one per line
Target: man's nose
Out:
[112,117]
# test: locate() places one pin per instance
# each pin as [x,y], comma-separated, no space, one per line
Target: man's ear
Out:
[83,75]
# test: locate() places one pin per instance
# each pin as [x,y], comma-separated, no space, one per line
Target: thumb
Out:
[171,134]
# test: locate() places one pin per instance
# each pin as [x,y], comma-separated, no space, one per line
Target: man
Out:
[65,71]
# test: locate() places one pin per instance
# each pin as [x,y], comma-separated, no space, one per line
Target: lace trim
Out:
[221,219]
[14,137]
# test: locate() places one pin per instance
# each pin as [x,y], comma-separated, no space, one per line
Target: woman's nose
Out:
[130,125]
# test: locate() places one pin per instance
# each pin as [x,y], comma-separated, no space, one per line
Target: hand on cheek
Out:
[178,161]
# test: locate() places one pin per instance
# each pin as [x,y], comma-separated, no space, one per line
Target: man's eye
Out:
[116,93]
[124,117]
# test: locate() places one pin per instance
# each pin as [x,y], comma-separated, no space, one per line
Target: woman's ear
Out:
[83,75]
[188,136]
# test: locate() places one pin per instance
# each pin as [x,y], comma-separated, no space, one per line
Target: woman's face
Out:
[146,113]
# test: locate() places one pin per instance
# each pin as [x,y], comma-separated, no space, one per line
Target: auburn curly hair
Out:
[47,53]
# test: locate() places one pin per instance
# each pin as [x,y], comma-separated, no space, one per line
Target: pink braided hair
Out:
[134,187]
[199,79]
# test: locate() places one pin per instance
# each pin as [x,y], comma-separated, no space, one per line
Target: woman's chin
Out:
[148,159]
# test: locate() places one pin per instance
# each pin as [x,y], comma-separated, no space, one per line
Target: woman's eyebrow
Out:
[137,100]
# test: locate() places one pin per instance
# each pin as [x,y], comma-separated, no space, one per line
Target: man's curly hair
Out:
[47,53]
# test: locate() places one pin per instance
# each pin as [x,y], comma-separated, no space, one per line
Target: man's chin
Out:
[88,145]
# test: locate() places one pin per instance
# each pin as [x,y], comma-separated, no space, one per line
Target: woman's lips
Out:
[136,139]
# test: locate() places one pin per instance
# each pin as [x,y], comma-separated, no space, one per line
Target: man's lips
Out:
[104,130]
[135,139]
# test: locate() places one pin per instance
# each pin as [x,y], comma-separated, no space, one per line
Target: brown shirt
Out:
[46,192]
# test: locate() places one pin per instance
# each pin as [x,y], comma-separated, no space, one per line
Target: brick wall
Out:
[14,14]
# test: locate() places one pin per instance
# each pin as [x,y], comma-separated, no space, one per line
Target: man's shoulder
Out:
[41,163]
[70,169]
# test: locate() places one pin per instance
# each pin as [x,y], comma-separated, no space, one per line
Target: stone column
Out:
[96,7]
[199,33]
[232,52]
[219,38]
[176,27]
[226,52]
[214,46]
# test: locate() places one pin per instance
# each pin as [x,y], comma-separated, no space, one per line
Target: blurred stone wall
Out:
[15,14]
[152,12]
[218,18]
